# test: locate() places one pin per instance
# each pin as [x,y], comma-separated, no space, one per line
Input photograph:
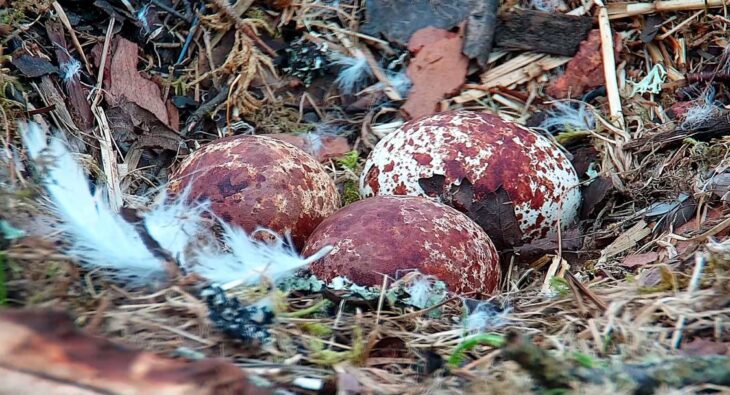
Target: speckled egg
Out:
[395,234]
[257,181]
[479,164]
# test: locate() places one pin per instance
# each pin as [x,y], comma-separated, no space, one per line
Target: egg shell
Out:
[257,181]
[395,234]
[432,156]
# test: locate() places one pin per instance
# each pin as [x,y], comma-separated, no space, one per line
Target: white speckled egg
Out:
[476,163]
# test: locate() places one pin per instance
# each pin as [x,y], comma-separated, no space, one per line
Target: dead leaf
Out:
[585,70]
[398,20]
[128,84]
[495,213]
[594,194]
[32,67]
[703,347]
[437,71]
[389,347]
[720,186]
[582,159]
[636,260]
[651,27]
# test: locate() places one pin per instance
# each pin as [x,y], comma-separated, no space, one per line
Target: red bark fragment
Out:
[44,353]
[585,70]
[437,71]
[127,84]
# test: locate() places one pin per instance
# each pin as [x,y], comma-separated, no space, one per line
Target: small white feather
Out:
[250,260]
[99,238]
[175,225]
[70,70]
[485,317]
[702,111]
[567,117]
[354,74]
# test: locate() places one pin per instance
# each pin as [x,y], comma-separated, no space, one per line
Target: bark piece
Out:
[44,353]
[480,29]
[437,71]
[80,107]
[585,70]
[128,84]
[32,67]
[543,32]
[398,20]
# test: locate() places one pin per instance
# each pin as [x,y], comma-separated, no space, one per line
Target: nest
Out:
[644,288]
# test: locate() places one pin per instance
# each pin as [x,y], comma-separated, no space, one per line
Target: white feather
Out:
[485,317]
[175,225]
[567,117]
[354,74]
[250,260]
[99,238]
[701,112]
[70,70]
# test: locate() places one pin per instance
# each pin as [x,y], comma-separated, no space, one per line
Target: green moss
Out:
[351,192]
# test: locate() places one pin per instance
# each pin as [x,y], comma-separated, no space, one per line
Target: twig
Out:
[102,64]
[170,10]
[108,158]
[694,283]
[609,65]
[203,110]
[624,10]
[72,33]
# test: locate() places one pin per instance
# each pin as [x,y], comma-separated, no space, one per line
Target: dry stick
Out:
[694,283]
[102,64]
[680,25]
[108,158]
[74,39]
[624,10]
[592,296]
[609,65]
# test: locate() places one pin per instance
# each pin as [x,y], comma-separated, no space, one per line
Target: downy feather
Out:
[250,260]
[99,237]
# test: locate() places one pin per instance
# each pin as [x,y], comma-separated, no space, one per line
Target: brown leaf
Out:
[437,71]
[495,213]
[582,159]
[398,20]
[128,84]
[594,194]
[651,28]
[389,347]
[42,347]
[704,347]
[585,70]
[31,66]
[635,260]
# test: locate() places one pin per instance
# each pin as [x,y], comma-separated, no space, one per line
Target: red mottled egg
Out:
[257,181]
[394,234]
[479,163]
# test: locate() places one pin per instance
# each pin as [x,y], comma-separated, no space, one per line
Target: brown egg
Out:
[394,234]
[476,162]
[257,181]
